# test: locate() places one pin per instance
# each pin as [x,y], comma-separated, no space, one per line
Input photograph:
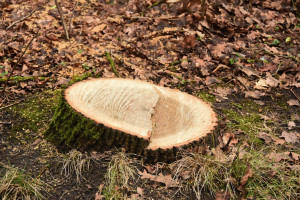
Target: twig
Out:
[71,17]
[17,102]
[295,94]
[16,63]
[5,122]
[62,19]
[136,52]
[22,19]
[283,56]
[112,64]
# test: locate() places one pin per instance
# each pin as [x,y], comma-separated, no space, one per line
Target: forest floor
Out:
[242,57]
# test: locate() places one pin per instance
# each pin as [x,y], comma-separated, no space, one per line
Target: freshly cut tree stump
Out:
[144,118]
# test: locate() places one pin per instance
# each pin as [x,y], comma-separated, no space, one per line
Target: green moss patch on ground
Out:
[36,111]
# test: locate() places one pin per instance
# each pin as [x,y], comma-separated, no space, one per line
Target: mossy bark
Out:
[70,129]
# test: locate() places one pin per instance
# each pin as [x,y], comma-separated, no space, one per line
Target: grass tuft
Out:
[118,176]
[15,185]
[75,162]
[202,173]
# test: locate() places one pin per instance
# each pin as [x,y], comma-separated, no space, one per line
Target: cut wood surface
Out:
[161,117]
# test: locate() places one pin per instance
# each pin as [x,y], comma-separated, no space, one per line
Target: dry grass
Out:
[202,173]
[75,162]
[269,180]
[15,185]
[118,176]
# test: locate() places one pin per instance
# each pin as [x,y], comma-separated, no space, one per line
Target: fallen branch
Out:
[62,19]
[20,20]
[16,63]
[295,95]
[71,17]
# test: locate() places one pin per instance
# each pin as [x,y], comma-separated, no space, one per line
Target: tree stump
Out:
[143,118]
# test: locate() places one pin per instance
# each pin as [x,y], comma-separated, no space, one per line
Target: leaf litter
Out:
[251,47]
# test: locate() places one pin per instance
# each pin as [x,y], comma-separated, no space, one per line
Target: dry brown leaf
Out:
[222,195]
[62,81]
[37,141]
[291,124]
[219,154]
[293,102]
[166,179]
[249,71]
[266,137]
[98,195]
[190,41]
[277,157]
[244,81]
[279,141]
[140,191]
[219,49]
[211,80]
[246,177]
[98,28]
[295,156]
[290,137]
[254,94]
[268,82]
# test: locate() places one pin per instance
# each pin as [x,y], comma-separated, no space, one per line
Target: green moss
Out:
[35,112]
[206,96]
[21,79]
[244,116]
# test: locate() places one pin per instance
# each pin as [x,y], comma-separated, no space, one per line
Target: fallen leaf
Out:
[98,28]
[290,137]
[219,154]
[149,168]
[291,124]
[211,80]
[218,49]
[244,81]
[254,94]
[260,103]
[95,155]
[293,102]
[266,137]
[277,157]
[98,195]
[279,141]
[246,177]
[222,195]
[37,141]
[166,179]
[62,81]
[248,71]
[266,83]
[140,191]
[190,41]
[295,156]
[226,137]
